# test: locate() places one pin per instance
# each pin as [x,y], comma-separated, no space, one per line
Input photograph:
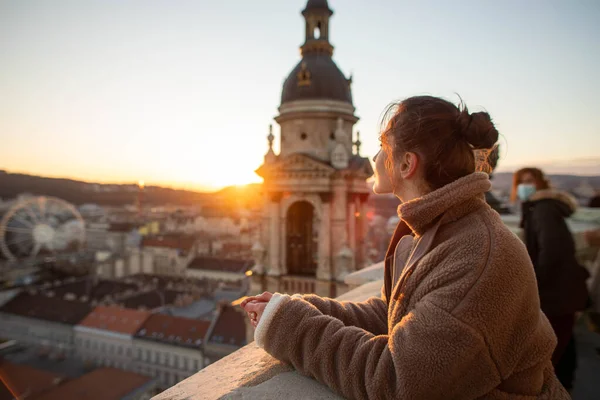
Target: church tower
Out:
[314,219]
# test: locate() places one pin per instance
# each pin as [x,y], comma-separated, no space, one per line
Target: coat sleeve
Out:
[429,354]
[552,236]
[370,315]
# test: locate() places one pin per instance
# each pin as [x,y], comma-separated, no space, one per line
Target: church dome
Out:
[316,77]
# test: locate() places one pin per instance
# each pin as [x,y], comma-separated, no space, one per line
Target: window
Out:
[120,350]
[148,356]
[196,365]
[185,363]
[128,352]
[176,361]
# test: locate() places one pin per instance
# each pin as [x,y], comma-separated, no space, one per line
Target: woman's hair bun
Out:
[478,129]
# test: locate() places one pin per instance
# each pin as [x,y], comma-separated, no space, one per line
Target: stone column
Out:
[364,231]
[265,224]
[324,267]
[339,216]
[274,236]
[352,223]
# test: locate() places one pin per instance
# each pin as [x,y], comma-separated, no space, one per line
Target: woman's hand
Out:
[255,311]
[255,306]
[266,296]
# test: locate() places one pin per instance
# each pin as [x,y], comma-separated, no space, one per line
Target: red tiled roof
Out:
[220,264]
[115,319]
[180,242]
[230,327]
[174,330]
[23,381]
[100,384]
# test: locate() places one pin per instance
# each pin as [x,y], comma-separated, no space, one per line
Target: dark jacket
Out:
[561,280]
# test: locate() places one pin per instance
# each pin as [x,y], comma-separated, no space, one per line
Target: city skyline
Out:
[145,91]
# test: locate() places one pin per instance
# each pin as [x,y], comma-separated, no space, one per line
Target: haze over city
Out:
[183,95]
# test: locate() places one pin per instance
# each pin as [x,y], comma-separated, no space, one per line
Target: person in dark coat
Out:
[561,279]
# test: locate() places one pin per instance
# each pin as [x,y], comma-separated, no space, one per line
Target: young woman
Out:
[561,280]
[459,314]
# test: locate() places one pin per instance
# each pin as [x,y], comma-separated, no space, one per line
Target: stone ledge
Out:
[288,385]
[365,275]
[247,367]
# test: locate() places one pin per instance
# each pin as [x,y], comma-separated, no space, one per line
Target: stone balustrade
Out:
[250,373]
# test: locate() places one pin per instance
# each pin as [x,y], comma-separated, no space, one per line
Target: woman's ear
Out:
[408,165]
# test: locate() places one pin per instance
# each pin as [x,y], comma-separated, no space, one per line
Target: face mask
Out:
[525,191]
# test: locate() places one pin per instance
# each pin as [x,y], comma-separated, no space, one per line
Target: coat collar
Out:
[453,201]
[555,194]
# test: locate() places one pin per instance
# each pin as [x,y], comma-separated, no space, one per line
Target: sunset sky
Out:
[181,93]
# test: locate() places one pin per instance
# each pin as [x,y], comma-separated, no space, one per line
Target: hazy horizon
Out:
[170,93]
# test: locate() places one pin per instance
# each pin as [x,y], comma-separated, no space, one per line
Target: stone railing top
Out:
[368,274]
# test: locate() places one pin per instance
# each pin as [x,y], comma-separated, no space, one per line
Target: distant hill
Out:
[78,192]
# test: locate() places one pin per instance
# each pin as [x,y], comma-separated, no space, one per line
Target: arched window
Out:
[317,31]
[301,239]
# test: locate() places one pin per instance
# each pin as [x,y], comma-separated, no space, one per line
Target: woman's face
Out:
[383,181]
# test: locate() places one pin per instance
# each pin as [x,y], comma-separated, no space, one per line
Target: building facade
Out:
[105,336]
[314,219]
[169,348]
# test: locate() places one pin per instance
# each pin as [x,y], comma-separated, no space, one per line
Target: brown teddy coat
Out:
[459,316]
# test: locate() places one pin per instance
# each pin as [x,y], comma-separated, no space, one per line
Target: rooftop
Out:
[100,384]
[151,299]
[115,319]
[220,264]
[171,241]
[200,309]
[174,330]
[24,381]
[229,328]
[88,289]
[49,308]
[165,281]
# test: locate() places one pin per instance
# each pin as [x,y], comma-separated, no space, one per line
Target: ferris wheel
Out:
[41,226]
